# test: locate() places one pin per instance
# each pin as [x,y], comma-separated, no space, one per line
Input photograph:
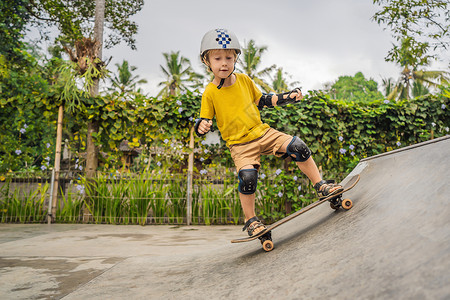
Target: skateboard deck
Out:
[336,201]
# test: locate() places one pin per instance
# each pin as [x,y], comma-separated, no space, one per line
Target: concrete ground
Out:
[54,261]
[393,244]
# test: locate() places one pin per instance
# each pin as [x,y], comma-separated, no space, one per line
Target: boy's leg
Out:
[308,167]
[248,200]
[248,204]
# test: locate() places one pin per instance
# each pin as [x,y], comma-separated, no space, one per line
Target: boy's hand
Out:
[290,97]
[298,94]
[295,95]
[204,126]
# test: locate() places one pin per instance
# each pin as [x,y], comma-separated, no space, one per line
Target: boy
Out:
[235,101]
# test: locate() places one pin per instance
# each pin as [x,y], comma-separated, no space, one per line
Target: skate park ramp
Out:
[393,244]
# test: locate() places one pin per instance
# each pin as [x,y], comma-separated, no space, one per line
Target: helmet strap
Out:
[222,80]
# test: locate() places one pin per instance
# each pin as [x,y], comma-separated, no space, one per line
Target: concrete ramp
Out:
[393,244]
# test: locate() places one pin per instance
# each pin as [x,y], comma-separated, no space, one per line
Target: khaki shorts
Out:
[250,153]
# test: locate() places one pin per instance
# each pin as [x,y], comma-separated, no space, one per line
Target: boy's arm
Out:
[202,126]
[280,99]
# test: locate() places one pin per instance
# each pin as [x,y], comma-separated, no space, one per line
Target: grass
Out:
[156,199]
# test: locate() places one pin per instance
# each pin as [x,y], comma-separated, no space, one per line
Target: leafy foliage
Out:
[26,113]
[424,22]
[13,16]
[355,88]
[73,18]
[340,133]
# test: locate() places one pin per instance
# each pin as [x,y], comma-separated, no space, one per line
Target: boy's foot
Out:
[326,188]
[253,226]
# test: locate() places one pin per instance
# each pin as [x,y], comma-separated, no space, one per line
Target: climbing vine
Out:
[339,133]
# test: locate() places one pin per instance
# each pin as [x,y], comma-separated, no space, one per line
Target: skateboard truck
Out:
[337,202]
[266,241]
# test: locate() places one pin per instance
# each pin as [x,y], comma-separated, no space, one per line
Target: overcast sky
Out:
[314,41]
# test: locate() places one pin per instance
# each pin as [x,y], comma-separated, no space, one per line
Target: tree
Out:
[96,59]
[414,83]
[124,81]
[13,19]
[412,74]
[355,88]
[424,22]
[180,75]
[73,18]
[24,129]
[388,85]
[280,83]
[85,42]
[250,63]
[419,89]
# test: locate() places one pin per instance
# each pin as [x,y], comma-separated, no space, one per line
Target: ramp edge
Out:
[436,140]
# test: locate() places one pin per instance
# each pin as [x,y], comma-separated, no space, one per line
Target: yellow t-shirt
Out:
[235,109]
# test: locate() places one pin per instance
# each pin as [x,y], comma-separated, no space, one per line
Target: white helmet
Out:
[219,39]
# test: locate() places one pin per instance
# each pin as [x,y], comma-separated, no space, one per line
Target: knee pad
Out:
[248,179]
[298,148]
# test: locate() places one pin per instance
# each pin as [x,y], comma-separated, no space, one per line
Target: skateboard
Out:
[335,200]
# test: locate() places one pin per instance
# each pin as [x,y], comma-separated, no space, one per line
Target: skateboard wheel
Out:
[334,206]
[347,204]
[267,245]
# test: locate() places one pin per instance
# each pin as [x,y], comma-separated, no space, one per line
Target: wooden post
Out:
[190,179]
[50,206]
[57,160]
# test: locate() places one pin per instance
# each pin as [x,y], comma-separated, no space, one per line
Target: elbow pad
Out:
[265,101]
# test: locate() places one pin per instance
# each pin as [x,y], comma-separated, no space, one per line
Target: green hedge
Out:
[341,133]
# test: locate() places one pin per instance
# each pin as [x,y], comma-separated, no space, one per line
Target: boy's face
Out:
[222,62]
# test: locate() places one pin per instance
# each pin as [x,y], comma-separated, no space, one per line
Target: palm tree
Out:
[417,82]
[180,75]
[419,89]
[424,80]
[388,85]
[250,62]
[124,82]
[280,83]
[411,59]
